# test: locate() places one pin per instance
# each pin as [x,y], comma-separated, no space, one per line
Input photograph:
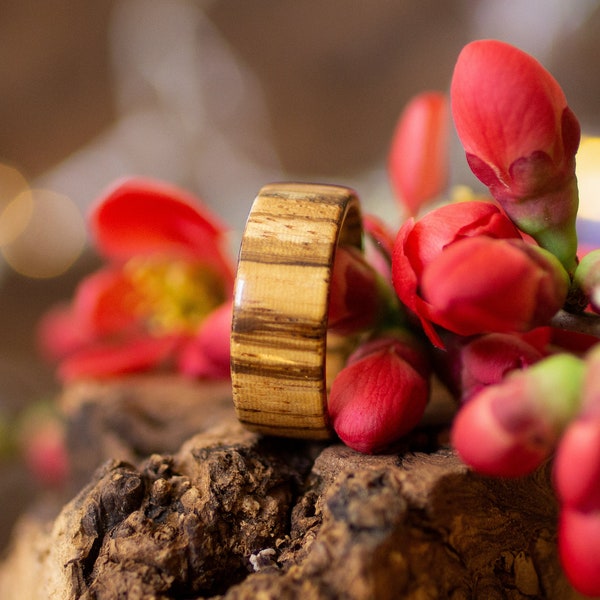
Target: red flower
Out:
[207,354]
[355,302]
[167,272]
[510,428]
[579,547]
[46,456]
[380,395]
[520,138]
[418,158]
[577,464]
[470,364]
[577,482]
[481,284]
[587,278]
[420,243]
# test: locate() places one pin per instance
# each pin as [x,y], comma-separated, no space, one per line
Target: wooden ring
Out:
[281,358]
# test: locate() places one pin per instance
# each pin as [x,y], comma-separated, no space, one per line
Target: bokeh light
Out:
[13,217]
[42,233]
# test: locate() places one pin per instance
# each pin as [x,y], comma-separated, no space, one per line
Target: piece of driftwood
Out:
[133,417]
[232,515]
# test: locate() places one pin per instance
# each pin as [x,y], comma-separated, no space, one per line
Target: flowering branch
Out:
[488,294]
[520,138]
[495,289]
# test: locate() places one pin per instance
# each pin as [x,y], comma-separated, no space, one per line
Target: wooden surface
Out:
[236,516]
[279,352]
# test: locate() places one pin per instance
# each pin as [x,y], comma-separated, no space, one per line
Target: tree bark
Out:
[228,514]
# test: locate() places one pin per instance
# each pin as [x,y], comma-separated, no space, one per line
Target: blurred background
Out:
[219,97]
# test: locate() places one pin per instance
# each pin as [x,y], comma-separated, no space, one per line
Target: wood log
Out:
[229,514]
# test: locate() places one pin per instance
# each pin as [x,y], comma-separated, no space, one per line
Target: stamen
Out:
[174,296]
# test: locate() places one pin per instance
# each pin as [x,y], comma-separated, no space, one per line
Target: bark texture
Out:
[228,514]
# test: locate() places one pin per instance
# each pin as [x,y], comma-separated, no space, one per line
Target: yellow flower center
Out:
[173,296]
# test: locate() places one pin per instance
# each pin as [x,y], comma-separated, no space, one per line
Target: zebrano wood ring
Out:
[282,359]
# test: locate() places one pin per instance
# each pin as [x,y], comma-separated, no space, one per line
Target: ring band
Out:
[281,359]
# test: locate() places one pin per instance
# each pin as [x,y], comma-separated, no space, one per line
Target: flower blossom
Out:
[465,268]
[356,300]
[46,456]
[468,365]
[481,284]
[520,139]
[166,272]
[577,483]
[40,436]
[587,278]
[510,428]
[418,157]
[381,393]
[579,548]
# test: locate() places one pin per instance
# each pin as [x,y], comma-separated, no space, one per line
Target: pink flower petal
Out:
[505,105]
[104,303]
[418,158]
[480,284]
[140,217]
[59,334]
[106,360]
[577,465]
[376,400]
[579,545]
[207,355]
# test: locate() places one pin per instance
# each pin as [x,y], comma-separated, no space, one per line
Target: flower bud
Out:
[510,428]
[355,302]
[587,278]
[419,243]
[379,396]
[41,438]
[480,284]
[520,139]
[487,359]
[577,463]
[579,549]
[418,159]
[404,344]
[46,456]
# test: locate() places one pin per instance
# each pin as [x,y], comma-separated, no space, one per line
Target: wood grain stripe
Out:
[281,358]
